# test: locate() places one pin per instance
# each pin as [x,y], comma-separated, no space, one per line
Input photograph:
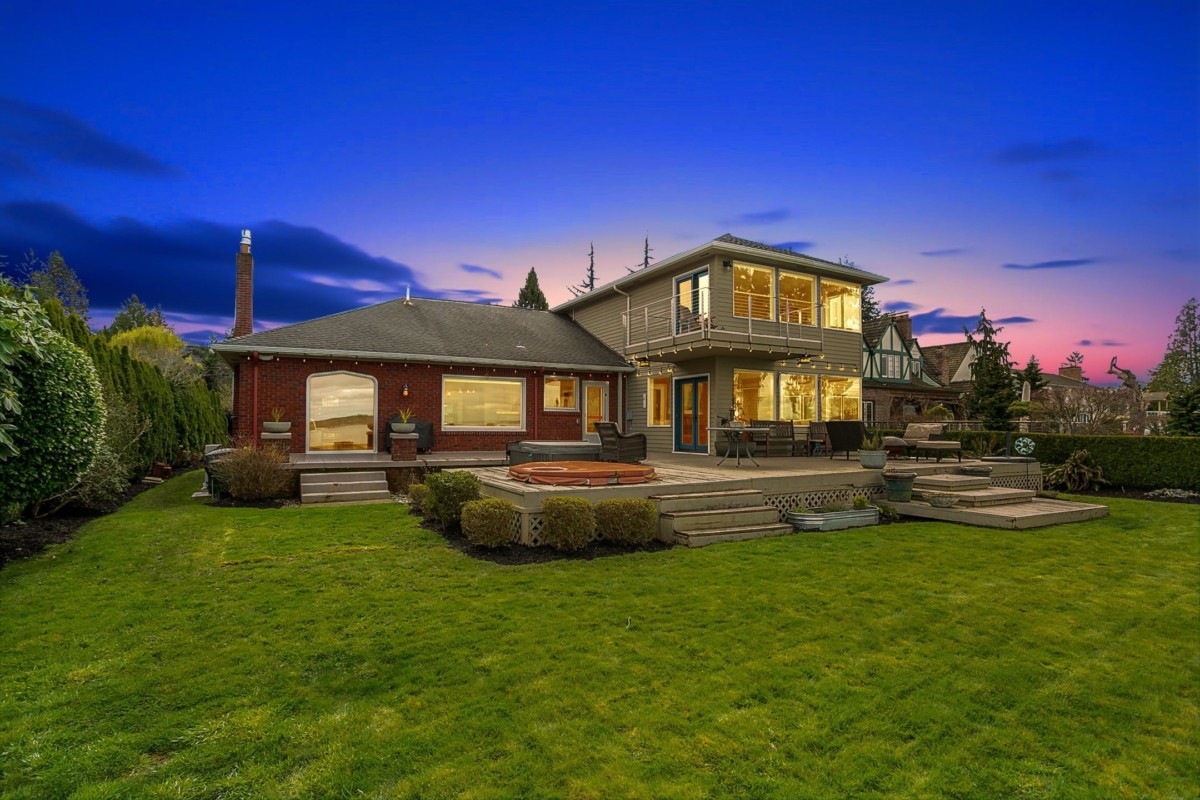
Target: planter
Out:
[940,499]
[277,427]
[872,459]
[899,485]
[403,427]
[977,471]
[833,520]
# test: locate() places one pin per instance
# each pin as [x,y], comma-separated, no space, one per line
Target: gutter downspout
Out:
[621,375]
[254,395]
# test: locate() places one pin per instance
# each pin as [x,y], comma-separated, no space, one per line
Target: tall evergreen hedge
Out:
[183,418]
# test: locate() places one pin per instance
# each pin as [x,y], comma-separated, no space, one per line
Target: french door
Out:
[691,415]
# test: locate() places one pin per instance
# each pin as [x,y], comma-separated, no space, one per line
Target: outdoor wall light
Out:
[727,264]
[404,391]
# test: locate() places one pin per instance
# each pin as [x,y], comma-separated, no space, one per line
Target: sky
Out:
[1037,160]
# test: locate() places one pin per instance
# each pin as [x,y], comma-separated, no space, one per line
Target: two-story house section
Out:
[732,329]
[896,383]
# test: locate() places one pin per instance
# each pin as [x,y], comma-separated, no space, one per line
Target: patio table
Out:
[734,435]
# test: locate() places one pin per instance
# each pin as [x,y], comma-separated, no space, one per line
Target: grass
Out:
[175,650]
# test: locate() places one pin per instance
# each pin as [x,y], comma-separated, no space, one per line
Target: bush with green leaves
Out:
[61,428]
[1077,473]
[418,498]
[627,521]
[255,473]
[568,523]
[448,492]
[489,522]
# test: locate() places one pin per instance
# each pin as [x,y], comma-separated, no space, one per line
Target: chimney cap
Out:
[246,236]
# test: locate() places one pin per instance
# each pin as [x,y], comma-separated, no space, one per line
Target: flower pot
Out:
[403,427]
[940,499]
[833,520]
[872,459]
[277,427]
[899,485]
[978,471]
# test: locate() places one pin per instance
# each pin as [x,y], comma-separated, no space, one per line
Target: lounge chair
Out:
[627,448]
[845,435]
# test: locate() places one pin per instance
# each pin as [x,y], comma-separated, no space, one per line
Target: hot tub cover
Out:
[581,473]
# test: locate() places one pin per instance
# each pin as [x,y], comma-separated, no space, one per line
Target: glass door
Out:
[691,302]
[595,408]
[691,415]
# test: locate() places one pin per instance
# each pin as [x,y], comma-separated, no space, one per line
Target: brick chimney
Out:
[243,303]
[903,324]
[1074,373]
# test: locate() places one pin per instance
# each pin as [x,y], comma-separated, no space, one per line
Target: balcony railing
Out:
[757,320]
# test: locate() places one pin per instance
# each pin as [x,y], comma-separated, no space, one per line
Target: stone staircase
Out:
[696,519]
[344,487]
[980,503]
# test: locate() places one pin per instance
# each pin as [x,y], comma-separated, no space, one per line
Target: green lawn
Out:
[178,650]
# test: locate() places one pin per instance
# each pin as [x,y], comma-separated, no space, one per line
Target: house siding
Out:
[282,383]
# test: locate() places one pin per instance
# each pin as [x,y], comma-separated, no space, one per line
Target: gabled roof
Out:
[438,331]
[738,248]
[943,360]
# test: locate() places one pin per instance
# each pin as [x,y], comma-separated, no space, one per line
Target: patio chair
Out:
[779,438]
[627,448]
[845,434]
[817,444]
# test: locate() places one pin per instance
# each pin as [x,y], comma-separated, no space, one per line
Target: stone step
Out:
[702,501]
[951,483]
[733,534]
[347,497]
[1036,513]
[686,521]
[350,477]
[343,487]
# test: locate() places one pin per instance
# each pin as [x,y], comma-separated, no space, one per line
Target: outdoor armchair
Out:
[627,448]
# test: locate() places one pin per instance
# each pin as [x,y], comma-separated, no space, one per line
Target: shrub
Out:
[861,503]
[886,511]
[567,522]
[60,431]
[627,521]
[1077,473]
[489,521]
[418,498]
[255,473]
[448,491]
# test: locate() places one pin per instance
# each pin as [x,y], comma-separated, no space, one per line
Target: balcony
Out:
[667,330]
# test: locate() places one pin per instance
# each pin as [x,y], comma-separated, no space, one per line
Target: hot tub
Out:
[525,451]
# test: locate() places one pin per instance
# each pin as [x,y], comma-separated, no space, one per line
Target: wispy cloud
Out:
[900,305]
[902,282]
[759,217]
[798,246]
[48,133]
[1101,343]
[478,270]
[949,251]
[1069,263]
[938,321]
[1038,153]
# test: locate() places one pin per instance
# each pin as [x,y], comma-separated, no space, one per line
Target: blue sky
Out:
[1041,160]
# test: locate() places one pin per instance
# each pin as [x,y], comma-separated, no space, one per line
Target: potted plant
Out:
[404,426]
[275,426]
[872,455]
[899,485]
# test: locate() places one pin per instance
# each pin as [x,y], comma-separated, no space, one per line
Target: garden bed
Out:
[515,555]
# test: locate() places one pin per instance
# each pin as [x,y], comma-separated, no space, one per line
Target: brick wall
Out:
[282,383]
[243,303]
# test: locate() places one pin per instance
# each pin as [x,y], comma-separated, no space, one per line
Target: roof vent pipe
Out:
[407,299]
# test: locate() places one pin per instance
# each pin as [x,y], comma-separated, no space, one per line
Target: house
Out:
[732,329]
[482,375]
[896,383]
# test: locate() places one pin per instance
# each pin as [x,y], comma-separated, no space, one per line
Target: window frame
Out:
[650,404]
[779,299]
[771,298]
[571,409]
[825,305]
[485,428]
[308,416]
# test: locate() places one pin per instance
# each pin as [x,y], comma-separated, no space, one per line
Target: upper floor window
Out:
[691,302]
[753,291]
[796,298]
[561,393]
[889,366]
[841,304]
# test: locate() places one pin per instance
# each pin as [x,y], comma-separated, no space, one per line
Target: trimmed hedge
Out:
[568,522]
[448,492]
[489,522]
[418,498]
[627,521]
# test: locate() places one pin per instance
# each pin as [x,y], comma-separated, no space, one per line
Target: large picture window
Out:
[341,412]
[483,403]
[753,291]
[658,399]
[560,393]
[841,398]
[796,298]
[842,305]
[753,395]
[798,397]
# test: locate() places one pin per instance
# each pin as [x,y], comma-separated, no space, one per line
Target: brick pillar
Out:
[404,446]
[243,304]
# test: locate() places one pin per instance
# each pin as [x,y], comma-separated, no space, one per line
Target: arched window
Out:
[342,411]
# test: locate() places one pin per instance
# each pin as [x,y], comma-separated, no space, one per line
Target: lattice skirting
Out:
[530,529]
[813,500]
[1030,481]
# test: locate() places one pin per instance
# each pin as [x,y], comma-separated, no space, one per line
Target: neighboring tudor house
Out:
[732,329]
[896,383]
[483,375]
[731,326]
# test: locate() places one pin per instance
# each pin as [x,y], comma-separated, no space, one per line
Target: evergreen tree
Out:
[133,313]
[52,279]
[1185,412]
[1033,374]
[870,306]
[1180,366]
[531,295]
[589,278]
[992,390]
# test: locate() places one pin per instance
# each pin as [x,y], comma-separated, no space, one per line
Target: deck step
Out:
[687,521]
[343,487]
[994,496]
[702,501]
[951,483]
[1035,513]
[737,533]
